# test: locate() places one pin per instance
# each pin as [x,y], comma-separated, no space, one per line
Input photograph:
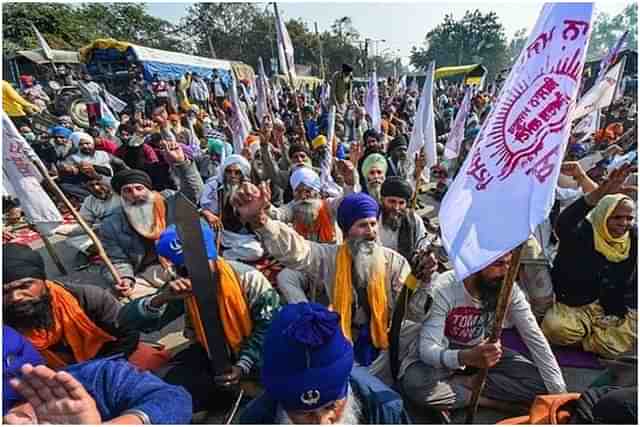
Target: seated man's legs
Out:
[611,338]
[291,285]
[425,385]
[514,379]
[74,190]
[564,325]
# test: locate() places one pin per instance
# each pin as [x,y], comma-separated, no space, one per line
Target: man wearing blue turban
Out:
[360,264]
[309,378]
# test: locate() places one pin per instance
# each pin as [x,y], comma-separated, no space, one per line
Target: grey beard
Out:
[229,191]
[140,215]
[351,415]
[306,211]
[367,256]
[374,189]
[63,150]
[391,221]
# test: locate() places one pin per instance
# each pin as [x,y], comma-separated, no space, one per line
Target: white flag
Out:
[414,85]
[611,57]
[328,185]
[372,102]
[456,136]
[506,185]
[600,95]
[262,106]
[402,85]
[24,179]
[285,48]
[239,121]
[423,135]
[48,53]
[588,124]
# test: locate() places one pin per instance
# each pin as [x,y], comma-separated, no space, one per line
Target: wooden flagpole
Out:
[504,300]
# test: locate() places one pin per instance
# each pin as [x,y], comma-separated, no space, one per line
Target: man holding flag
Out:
[513,165]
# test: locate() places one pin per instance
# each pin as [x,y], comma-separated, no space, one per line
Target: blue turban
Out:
[60,131]
[306,358]
[354,207]
[577,150]
[16,351]
[170,246]
[106,122]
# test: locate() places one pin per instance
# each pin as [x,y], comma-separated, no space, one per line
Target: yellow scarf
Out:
[614,249]
[234,312]
[377,295]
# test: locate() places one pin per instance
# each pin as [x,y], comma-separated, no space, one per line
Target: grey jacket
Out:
[123,245]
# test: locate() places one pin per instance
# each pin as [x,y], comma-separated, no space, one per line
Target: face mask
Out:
[29,136]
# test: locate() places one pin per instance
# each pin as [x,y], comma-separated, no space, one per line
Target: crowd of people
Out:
[335,296]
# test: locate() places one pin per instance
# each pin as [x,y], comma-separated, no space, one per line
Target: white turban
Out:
[306,176]
[75,137]
[236,159]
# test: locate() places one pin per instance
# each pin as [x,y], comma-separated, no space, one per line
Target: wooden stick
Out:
[101,252]
[52,252]
[504,300]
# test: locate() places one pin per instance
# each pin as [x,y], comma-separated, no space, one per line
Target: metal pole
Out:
[315,24]
[504,300]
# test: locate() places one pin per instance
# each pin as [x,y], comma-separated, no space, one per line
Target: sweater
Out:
[580,275]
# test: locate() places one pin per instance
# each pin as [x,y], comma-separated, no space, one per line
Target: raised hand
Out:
[56,397]
[250,201]
[356,151]
[173,152]
[612,185]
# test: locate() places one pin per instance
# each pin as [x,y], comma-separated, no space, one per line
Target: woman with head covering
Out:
[594,272]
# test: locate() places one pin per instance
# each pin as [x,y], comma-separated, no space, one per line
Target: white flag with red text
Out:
[24,179]
[506,185]
[456,136]
[600,95]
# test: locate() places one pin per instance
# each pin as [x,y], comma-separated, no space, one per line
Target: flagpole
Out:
[315,24]
[615,89]
[293,87]
[52,252]
[504,300]
[101,252]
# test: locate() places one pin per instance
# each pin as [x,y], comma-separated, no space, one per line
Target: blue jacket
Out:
[380,404]
[16,351]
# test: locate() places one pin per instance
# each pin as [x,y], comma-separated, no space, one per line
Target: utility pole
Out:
[211,49]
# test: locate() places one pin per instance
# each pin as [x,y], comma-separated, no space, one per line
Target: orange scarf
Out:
[159,221]
[233,309]
[376,293]
[70,323]
[323,226]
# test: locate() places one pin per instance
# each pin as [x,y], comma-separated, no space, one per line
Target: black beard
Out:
[30,315]
[489,291]
[391,220]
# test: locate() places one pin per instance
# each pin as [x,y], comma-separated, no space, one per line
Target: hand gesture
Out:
[250,201]
[56,397]
[484,355]
[345,169]
[572,169]
[356,152]
[87,169]
[178,289]
[612,185]
[420,162]
[124,288]
[173,152]
[613,150]
[212,219]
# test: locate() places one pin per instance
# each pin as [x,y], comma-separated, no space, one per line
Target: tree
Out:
[607,30]
[516,44]
[476,38]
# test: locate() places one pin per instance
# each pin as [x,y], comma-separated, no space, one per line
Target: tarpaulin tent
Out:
[109,55]
[473,73]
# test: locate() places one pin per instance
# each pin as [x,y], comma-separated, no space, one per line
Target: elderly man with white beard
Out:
[401,229]
[361,277]
[130,233]
[314,219]
[374,168]
[238,241]
[309,378]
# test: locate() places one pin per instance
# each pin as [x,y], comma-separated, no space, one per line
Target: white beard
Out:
[306,211]
[375,189]
[140,215]
[350,416]
[229,191]
[368,258]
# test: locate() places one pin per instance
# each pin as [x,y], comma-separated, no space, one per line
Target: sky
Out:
[401,24]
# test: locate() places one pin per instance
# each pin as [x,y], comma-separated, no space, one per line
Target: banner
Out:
[239,121]
[423,135]
[24,180]
[588,124]
[372,103]
[285,48]
[456,136]
[600,95]
[262,84]
[506,185]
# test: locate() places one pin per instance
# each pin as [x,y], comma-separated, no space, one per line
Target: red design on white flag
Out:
[506,186]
